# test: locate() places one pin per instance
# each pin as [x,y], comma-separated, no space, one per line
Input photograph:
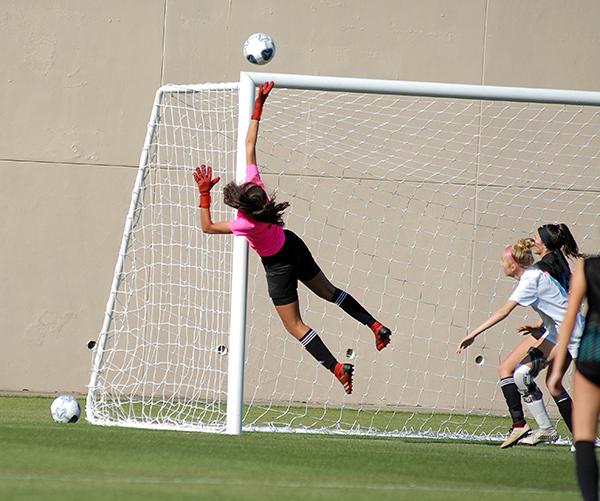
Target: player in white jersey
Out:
[540,291]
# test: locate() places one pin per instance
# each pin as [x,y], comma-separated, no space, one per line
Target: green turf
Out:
[331,419]
[40,459]
[403,422]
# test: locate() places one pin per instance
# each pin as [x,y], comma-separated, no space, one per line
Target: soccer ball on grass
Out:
[259,49]
[65,409]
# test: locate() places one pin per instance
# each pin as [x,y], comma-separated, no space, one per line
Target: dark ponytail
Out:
[558,236]
[252,200]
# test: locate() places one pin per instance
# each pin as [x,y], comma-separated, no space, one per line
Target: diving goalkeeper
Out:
[285,257]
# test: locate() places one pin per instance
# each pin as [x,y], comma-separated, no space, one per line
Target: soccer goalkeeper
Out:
[285,257]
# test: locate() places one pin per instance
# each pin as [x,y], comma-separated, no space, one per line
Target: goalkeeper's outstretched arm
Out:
[251,137]
[203,177]
[251,142]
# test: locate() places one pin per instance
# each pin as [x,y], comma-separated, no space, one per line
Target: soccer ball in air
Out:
[65,409]
[259,48]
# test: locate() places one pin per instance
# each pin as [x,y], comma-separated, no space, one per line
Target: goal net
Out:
[406,194]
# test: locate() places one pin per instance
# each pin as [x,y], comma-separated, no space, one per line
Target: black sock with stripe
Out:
[351,306]
[513,400]
[315,346]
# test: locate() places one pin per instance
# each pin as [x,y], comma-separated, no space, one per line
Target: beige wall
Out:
[77,84]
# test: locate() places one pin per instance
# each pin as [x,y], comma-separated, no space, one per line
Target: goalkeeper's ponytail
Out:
[252,200]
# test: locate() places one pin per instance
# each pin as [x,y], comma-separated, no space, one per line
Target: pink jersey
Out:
[266,239]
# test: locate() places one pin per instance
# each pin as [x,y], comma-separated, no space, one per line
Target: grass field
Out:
[40,459]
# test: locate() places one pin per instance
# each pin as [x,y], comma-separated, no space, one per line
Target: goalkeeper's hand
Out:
[203,177]
[263,92]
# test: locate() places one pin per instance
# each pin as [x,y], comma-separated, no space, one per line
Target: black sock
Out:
[351,306]
[565,407]
[587,469]
[513,400]
[312,342]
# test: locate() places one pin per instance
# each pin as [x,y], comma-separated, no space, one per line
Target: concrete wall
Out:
[76,88]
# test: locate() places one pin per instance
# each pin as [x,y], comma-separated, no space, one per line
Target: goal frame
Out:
[246,89]
[248,83]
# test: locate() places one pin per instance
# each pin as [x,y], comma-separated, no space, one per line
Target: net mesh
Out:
[405,202]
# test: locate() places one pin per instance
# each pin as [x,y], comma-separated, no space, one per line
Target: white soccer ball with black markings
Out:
[65,409]
[259,49]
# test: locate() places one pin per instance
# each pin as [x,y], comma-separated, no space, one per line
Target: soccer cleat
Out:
[344,374]
[516,434]
[382,335]
[541,435]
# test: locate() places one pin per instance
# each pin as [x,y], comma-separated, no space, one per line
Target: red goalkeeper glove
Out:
[263,92]
[203,177]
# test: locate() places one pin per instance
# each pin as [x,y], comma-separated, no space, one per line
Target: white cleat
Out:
[541,435]
[516,434]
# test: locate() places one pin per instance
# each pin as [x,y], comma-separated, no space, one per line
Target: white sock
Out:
[538,410]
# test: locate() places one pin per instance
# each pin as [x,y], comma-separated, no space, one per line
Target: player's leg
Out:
[586,409]
[509,364]
[563,399]
[323,288]
[525,375]
[282,271]
[511,393]
[292,321]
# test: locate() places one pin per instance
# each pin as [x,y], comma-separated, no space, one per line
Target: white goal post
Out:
[405,192]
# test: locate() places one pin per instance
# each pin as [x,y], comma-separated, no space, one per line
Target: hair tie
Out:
[546,239]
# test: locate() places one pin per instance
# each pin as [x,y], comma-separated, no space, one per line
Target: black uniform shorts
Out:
[291,263]
[589,370]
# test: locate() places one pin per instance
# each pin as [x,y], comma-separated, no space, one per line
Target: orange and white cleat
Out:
[344,374]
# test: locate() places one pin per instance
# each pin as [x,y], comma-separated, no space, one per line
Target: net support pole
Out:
[239,282]
[129,223]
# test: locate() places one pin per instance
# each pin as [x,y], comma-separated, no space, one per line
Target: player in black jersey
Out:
[586,382]
[552,243]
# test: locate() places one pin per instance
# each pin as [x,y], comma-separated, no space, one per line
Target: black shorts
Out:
[588,360]
[291,263]
[539,333]
[589,370]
